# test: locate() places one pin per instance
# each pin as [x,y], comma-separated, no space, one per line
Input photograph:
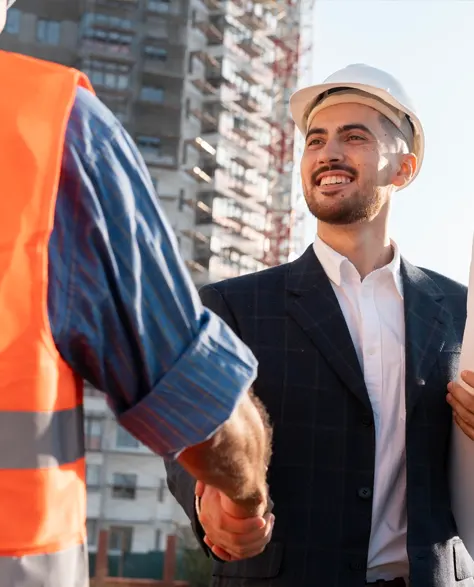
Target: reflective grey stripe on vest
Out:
[31,440]
[67,568]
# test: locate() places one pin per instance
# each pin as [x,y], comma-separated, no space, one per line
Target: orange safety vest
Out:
[42,465]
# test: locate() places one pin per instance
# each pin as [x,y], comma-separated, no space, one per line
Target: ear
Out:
[406,170]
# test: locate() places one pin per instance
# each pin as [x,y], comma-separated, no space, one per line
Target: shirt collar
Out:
[340,270]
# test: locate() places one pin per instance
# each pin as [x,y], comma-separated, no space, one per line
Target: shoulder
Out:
[447,285]
[255,284]
[91,124]
[455,293]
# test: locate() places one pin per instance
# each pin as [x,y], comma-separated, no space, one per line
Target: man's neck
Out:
[367,247]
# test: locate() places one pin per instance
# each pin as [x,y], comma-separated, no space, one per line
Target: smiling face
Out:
[351,164]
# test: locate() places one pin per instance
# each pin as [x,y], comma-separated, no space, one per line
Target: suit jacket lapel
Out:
[314,306]
[426,324]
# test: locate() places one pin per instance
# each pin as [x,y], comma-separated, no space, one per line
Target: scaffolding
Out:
[247,194]
[279,217]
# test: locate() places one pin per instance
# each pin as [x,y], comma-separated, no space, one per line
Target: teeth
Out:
[333,179]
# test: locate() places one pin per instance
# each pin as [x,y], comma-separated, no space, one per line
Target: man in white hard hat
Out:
[356,347]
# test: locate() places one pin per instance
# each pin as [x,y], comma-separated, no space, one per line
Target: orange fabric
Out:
[42,510]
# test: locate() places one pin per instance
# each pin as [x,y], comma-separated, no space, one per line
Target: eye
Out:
[355,138]
[314,142]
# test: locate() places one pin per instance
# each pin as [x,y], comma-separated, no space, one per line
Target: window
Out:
[12,25]
[162,491]
[109,22]
[48,31]
[92,527]
[104,73]
[120,538]
[159,5]
[110,38]
[181,201]
[156,53]
[149,146]
[124,486]
[93,477]
[125,440]
[93,429]
[152,94]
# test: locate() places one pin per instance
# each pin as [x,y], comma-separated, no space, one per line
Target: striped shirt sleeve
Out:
[123,310]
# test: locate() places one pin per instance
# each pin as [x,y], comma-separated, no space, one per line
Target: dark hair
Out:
[395,132]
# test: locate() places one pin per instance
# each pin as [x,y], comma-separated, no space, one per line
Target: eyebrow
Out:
[340,129]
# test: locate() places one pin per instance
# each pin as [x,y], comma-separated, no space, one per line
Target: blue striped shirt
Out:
[123,310]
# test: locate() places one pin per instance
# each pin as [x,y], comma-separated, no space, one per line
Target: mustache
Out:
[328,168]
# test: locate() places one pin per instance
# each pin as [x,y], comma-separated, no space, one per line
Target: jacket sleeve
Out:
[180,483]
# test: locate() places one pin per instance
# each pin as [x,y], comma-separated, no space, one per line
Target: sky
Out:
[429,46]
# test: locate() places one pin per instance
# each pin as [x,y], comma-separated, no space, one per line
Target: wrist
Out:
[254,503]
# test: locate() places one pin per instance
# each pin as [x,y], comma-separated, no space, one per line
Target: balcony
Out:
[211,32]
[199,175]
[204,87]
[103,49]
[245,189]
[173,11]
[158,152]
[197,266]
[170,104]
[160,123]
[250,48]
[251,21]
[206,58]
[209,123]
[98,23]
[248,77]
[122,6]
[248,103]
[166,68]
[213,5]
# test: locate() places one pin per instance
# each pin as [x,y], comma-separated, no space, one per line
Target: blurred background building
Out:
[203,87]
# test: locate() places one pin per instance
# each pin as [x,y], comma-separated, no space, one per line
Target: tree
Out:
[195,565]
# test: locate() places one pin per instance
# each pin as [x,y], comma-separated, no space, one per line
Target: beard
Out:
[355,207]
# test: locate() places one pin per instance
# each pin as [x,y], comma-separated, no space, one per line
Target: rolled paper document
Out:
[462,447]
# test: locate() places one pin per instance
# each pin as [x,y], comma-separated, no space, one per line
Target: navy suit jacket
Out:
[322,473]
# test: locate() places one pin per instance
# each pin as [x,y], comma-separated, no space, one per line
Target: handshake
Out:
[232,532]
[231,493]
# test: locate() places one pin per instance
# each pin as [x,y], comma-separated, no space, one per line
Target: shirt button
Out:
[367,420]
[372,351]
[357,565]
[364,492]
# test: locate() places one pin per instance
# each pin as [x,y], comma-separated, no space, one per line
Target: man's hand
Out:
[231,533]
[462,402]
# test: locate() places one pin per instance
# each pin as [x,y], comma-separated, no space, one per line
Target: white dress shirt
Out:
[373,310]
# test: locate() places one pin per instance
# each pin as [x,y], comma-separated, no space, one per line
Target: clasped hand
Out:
[462,403]
[229,532]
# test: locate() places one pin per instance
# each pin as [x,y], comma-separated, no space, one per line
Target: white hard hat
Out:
[369,80]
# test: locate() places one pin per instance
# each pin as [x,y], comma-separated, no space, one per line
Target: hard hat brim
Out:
[300,100]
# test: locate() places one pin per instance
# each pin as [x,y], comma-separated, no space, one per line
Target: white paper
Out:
[462,447]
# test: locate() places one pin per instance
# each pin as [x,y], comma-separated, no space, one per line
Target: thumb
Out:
[238,511]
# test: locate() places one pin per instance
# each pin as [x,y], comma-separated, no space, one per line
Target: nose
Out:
[331,153]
